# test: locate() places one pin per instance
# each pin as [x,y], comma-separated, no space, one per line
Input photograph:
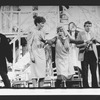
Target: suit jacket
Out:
[5,53]
[82,36]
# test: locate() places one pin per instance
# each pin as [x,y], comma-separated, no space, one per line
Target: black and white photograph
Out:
[49,49]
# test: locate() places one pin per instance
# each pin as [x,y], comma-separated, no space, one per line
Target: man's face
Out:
[88,27]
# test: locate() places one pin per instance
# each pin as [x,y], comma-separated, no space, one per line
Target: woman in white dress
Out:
[73,49]
[62,55]
[62,51]
[37,52]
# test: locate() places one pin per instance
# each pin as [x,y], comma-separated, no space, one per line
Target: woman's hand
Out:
[32,59]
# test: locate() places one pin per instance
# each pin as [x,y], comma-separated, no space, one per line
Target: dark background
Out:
[50,2]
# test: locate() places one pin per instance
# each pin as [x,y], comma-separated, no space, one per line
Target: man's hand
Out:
[32,58]
[10,64]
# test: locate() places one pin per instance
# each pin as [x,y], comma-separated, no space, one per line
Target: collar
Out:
[88,32]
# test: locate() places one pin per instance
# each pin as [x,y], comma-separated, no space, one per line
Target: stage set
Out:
[15,24]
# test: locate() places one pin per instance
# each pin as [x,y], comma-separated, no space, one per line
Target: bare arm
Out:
[30,40]
[51,41]
[75,41]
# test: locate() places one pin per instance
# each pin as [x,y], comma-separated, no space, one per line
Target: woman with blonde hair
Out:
[62,50]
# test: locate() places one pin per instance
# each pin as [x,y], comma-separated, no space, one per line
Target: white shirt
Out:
[88,36]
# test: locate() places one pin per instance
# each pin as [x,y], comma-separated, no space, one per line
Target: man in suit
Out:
[88,54]
[5,53]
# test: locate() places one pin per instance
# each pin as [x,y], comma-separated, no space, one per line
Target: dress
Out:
[73,55]
[37,53]
[62,59]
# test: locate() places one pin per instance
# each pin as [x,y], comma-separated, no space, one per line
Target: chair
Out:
[50,80]
[76,80]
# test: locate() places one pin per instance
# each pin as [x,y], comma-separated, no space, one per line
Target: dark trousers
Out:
[98,49]
[53,56]
[89,59]
[5,79]
[59,84]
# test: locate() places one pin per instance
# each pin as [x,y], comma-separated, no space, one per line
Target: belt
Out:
[89,50]
[40,46]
